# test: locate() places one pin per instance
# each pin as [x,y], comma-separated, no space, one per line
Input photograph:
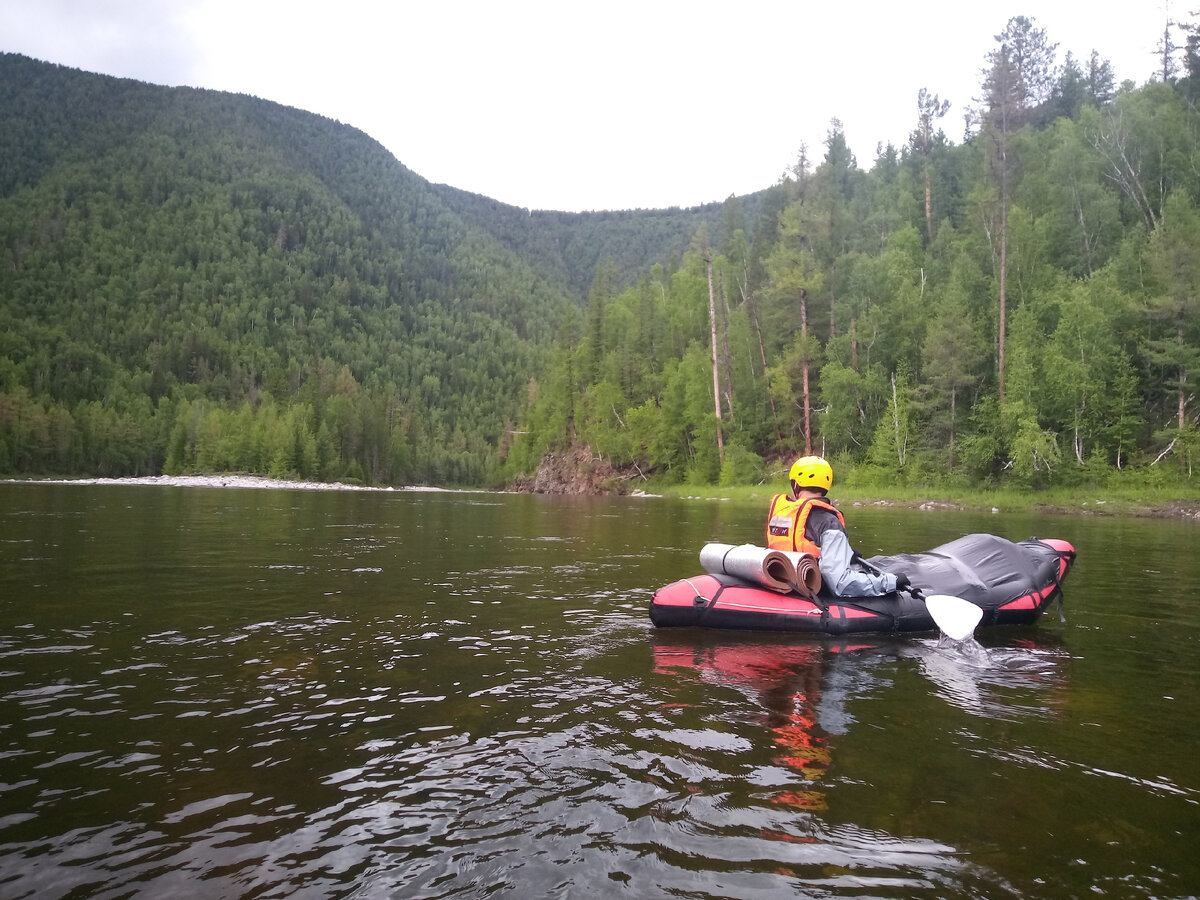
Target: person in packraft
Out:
[805,521]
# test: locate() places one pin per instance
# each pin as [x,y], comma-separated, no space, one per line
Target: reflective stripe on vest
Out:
[787,520]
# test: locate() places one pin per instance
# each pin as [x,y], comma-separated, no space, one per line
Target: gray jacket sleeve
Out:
[841,576]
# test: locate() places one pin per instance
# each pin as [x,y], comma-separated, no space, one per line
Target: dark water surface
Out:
[225,693]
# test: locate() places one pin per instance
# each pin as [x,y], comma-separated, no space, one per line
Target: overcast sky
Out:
[573,106]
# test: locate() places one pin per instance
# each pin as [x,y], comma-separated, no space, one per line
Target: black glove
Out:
[903,583]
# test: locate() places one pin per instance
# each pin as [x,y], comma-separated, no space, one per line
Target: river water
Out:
[272,693]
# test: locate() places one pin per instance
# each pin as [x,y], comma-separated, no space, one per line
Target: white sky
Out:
[562,105]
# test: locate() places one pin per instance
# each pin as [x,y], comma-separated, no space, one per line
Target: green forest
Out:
[198,281]
[1020,309]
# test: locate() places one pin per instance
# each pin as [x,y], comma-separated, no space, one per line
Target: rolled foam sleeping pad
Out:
[778,570]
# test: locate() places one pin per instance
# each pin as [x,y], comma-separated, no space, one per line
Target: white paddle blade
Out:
[954,615]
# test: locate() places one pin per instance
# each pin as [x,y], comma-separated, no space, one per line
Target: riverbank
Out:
[1139,504]
[1142,503]
[222,481]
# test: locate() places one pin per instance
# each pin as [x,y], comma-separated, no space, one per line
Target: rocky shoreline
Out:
[1177,509]
[223,481]
[600,481]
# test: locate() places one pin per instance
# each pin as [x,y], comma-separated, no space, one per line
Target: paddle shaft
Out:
[916,592]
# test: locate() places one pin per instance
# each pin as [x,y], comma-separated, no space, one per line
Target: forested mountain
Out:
[199,280]
[572,247]
[192,280]
[1022,308]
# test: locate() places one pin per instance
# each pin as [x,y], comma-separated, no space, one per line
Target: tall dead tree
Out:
[804,374]
[929,108]
[712,321]
[1003,96]
[1021,74]
[726,356]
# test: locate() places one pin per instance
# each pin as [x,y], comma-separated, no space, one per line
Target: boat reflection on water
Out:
[804,689]
[785,679]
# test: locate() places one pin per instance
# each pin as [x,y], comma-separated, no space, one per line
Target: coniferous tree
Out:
[1175,256]
[1004,96]
[929,109]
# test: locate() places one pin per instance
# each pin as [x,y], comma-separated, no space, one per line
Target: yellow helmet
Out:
[811,472]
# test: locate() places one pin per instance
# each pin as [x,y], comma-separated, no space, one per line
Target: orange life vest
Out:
[787,519]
